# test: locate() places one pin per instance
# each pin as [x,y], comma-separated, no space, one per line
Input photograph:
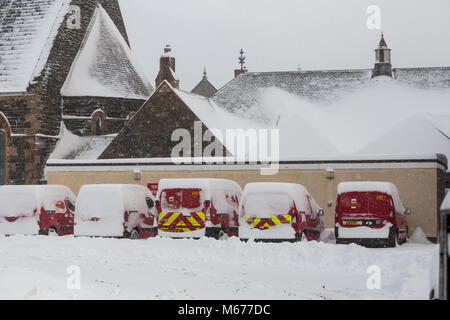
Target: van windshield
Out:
[366,203]
[181,199]
[265,204]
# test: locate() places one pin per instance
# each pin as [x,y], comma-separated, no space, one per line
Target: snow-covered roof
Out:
[27,31]
[73,147]
[424,78]
[324,86]
[244,91]
[105,66]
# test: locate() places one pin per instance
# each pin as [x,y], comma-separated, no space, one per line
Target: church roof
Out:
[105,65]
[204,87]
[27,31]
[244,91]
[321,86]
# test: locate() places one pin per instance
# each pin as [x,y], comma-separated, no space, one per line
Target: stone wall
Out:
[35,116]
[79,114]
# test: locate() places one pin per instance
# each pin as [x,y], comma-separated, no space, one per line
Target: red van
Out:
[370,214]
[194,208]
[36,210]
[275,212]
[116,211]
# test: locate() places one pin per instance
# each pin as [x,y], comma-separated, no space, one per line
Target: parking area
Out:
[38,267]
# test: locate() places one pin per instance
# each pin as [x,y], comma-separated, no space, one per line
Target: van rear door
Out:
[182,210]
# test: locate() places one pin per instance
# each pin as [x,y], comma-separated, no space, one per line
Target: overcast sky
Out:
[279,35]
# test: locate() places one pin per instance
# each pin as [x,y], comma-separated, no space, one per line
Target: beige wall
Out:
[418,187]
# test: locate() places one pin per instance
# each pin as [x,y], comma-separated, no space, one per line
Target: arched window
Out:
[2,157]
[98,126]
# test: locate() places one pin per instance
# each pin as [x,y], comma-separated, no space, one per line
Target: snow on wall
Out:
[27,32]
[105,66]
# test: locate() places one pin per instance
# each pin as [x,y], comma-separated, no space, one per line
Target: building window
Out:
[381,56]
[98,126]
[2,157]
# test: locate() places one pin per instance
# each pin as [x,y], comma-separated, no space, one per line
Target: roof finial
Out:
[383,43]
[242,60]
[205,77]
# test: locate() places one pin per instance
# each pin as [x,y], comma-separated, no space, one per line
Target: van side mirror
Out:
[320,213]
[408,211]
[150,203]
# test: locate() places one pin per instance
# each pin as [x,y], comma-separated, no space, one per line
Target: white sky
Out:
[279,35]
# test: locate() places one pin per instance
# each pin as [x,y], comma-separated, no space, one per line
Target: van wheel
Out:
[52,232]
[213,233]
[393,238]
[134,235]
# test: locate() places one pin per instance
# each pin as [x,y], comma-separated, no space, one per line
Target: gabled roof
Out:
[105,66]
[27,31]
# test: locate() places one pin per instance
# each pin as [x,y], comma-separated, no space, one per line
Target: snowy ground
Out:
[36,268]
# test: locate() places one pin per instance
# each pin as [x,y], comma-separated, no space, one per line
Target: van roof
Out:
[23,200]
[367,186]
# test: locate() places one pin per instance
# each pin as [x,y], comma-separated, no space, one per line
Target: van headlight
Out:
[378,222]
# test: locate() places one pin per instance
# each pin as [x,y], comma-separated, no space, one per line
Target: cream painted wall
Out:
[418,187]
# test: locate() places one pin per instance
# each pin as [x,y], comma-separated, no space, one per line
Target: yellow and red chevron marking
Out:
[177,222]
[267,223]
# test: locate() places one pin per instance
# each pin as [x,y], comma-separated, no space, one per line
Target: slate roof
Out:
[243,91]
[321,86]
[27,31]
[105,65]
[424,78]
[204,87]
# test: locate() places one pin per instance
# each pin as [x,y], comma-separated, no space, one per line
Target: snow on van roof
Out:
[295,191]
[367,186]
[205,183]
[23,200]
[108,202]
[370,186]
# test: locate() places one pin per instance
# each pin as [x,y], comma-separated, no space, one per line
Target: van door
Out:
[353,207]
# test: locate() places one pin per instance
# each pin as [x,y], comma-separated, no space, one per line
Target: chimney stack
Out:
[167,69]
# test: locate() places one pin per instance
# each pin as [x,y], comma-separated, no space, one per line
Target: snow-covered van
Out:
[370,214]
[33,210]
[195,208]
[116,211]
[279,212]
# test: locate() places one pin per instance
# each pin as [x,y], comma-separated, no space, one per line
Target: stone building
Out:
[61,61]
[149,133]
